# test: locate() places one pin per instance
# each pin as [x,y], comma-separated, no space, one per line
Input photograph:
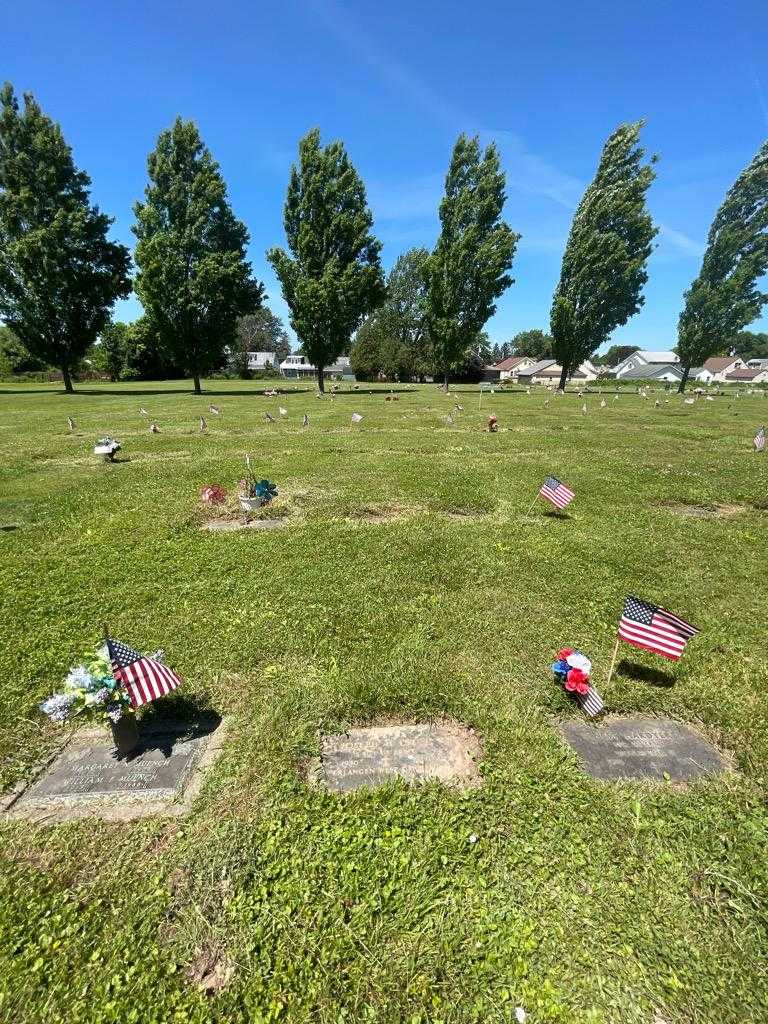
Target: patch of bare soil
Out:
[704,511]
[211,970]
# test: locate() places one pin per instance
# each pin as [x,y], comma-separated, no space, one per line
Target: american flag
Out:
[654,629]
[759,441]
[144,678]
[556,492]
[591,703]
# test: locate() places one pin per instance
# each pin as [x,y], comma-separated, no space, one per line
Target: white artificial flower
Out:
[520,1015]
[577,660]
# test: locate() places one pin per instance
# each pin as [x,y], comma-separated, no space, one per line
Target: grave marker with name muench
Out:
[88,778]
[643,748]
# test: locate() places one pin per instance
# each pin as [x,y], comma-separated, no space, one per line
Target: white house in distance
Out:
[717,369]
[297,366]
[748,375]
[261,360]
[547,371]
[511,367]
[644,359]
[666,373]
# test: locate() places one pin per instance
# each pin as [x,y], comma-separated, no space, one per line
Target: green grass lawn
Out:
[580,901]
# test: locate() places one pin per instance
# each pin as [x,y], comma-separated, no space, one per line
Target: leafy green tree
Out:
[535,343]
[604,264]
[261,331]
[724,298]
[194,280]
[59,273]
[750,345]
[394,341]
[110,354]
[468,269]
[14,357]
[333,278]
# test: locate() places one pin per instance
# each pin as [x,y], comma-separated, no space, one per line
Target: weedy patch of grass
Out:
[273,901]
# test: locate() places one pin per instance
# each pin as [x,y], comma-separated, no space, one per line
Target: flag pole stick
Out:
[613,660]
[531,508]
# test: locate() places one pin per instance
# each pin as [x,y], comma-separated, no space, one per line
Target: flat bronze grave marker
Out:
[88,778]
[232,525]
[372,756]
[643,748]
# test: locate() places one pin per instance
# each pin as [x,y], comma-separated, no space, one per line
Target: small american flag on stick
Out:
[144,678]
[653,628]
[554,491]
[759,441]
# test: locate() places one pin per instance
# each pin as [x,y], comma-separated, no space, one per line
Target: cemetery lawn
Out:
[407,586]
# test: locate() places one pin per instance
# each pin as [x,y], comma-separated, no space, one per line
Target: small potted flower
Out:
[255,493]
[90,691]
[108,447]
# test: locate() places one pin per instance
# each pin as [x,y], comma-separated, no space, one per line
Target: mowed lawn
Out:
[580,901]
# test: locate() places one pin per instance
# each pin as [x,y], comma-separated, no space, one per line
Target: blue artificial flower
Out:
[79,678]
[114,712]
[58,707]
[102,695]
[560,668]
[266,490]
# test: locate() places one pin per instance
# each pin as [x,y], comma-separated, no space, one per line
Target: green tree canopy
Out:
[194,280]
[605,259]
[110,354]
[331,277]
[535,343]
[750,345]
[59,273]
[467,271]
[394,341]
[724,298]
[617,353]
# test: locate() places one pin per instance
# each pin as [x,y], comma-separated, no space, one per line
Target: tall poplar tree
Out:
[468,269]
[724,298]
[194,280]
[59,273]
[333,277]
[605,259]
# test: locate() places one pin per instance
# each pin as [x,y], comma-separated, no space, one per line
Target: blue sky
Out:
[547,80]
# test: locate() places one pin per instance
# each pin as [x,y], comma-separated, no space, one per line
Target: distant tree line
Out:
[61,275]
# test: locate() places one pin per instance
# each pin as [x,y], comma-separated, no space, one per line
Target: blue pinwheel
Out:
[265,490]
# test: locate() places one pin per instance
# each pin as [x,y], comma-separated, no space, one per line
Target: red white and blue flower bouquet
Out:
[572,671]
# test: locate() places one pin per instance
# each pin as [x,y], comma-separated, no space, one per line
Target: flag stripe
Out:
[145,679]
[653,628]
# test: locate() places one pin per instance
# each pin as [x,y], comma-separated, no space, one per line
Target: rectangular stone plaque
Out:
[88,778]
[643,748]
[369,757]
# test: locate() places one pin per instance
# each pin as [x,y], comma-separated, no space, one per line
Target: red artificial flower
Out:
[565,653]
[582,688]
[575,675]
[570,685]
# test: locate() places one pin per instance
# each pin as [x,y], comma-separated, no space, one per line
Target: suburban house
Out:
[511,367]
[296,366]
[261,360]
[747,375]
[716,369]
[757,364]
[644,358]
[667,373]
[547,371]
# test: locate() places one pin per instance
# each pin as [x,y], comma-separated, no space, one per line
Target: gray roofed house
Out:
[668,372]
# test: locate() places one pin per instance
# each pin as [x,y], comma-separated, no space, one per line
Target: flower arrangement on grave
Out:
[213,494]
[493,424]
[107,446]
[91,691]
[572,670]
[255,492]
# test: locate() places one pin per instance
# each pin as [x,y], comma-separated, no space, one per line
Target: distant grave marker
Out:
[88,779]
[643,748]
[372,756]
[230,525]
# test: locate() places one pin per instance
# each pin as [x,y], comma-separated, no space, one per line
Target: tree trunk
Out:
[196,379]
[563,379]
[321,379]
[684,381]
[67,379]
[445,382]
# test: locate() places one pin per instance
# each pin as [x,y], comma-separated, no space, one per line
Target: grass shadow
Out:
[644,674]
[563,517]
